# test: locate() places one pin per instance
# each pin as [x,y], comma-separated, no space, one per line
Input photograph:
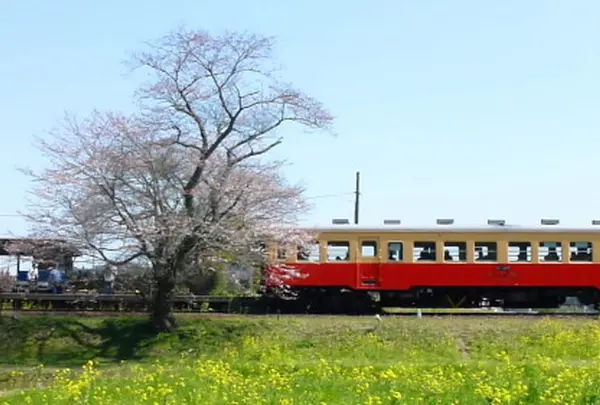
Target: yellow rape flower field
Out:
[303,360]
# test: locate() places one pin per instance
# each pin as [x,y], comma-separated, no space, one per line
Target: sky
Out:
[449,109]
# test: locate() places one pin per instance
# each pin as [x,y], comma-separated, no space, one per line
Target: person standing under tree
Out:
[54,280]
[33,276]
[109,280]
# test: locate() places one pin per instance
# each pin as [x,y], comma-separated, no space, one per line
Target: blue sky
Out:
[461,109]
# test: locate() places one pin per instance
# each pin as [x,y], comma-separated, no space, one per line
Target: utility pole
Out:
[356,198]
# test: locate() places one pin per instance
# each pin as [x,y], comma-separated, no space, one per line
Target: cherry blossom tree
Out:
[184,183]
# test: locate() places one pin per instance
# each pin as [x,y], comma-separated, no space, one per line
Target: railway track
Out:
[18,314]
[190,314]
[124,303]
[128,297]
[130,304]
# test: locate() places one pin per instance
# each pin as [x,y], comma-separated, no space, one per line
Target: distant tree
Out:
[180,186]
[7,282]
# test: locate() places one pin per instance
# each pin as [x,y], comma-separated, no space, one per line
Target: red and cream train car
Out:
[446,265]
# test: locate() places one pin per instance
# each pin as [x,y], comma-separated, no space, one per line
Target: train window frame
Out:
[337,244]
[369,243]
[543,245]
[278,253]
[528,251]
[308,247]
[485,244]
[416,256]
[573,244]
[459,245]
[400,251]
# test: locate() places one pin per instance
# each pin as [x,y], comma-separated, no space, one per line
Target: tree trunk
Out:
[162,318]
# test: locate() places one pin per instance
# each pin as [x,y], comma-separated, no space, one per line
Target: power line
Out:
[316,197]
[329,196]
[308,198]
[355,193]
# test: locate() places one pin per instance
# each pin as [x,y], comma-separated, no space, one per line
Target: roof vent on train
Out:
[596,222]
[340,221]
[445,221]
[499,222]
[392,222]
[550,222]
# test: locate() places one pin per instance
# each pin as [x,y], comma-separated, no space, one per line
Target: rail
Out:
[128,297]
[130,303]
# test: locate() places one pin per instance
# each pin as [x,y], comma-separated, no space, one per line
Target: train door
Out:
[368,261]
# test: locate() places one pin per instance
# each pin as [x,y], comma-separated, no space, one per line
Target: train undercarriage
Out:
[329,300]
[346,301]
[475,297]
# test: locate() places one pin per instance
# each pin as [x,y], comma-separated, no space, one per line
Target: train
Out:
[443,265]
[357,269]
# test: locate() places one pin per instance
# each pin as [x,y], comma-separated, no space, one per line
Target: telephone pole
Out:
[357,198]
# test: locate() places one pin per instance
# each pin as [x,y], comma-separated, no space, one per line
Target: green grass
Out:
[302,360]
[64,341]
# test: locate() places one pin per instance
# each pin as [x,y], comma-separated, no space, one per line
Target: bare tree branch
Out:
[221,91]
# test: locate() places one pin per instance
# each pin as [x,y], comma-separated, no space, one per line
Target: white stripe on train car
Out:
[454,229]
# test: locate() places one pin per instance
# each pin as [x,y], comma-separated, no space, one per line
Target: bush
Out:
[7,282]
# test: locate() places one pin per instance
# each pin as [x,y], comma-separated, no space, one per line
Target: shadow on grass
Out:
[63,341]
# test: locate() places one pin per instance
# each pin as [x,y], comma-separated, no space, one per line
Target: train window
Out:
[338,251]
[550,252]
[455,251]
[486,251]
[580,251]
[519,252]
[281,253]
[309,253]
[424,251]
[395,252]
[368,248]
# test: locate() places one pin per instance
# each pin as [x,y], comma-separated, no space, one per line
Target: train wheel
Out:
[455,300]
[363,304]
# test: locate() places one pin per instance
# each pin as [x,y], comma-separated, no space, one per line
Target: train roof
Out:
[507,228]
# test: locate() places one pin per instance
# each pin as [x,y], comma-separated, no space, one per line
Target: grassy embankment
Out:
[301,360]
